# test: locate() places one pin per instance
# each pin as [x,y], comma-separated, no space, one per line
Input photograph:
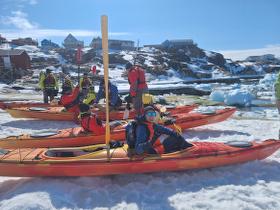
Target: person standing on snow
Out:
[138,86]
[277,92]
[48,83]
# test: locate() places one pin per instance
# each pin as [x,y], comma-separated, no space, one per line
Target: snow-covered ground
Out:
[254,185]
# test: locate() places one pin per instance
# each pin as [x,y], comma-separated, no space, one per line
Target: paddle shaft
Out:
[104,27]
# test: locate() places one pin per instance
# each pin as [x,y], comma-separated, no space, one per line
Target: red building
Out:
[15,58]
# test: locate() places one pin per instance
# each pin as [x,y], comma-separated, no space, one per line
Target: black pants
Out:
[49,93]
[173,144]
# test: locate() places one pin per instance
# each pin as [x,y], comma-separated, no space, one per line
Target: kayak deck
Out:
[78,137]
[37,162]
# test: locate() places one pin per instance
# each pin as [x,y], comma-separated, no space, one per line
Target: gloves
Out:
[169,121]
[115,144]
[128,106]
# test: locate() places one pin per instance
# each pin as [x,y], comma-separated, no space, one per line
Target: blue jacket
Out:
[143,138]
[114,94]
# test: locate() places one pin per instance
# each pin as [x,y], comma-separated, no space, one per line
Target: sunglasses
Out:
[151,114]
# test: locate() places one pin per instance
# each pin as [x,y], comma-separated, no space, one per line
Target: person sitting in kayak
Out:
[114,99]
[153,138]
[89,121]
[70,99]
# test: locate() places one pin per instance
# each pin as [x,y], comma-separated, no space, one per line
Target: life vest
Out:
[42,77]
[139,73]
[49,82]
[71,102]
[92,124]
[130,135]
[67,83]
[90,98]
[157,145]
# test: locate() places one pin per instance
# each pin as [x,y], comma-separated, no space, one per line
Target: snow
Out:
[253,185]
[237,97]
[217,95]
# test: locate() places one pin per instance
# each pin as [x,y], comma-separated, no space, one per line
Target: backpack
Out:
[130,134]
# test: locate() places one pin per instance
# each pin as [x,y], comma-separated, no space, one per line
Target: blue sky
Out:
[213,24]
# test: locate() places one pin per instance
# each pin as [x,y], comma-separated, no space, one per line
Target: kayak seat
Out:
[38,109]
[4,152]
[239,144]
[41,134]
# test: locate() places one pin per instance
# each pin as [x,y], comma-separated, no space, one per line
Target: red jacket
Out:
[137,80]
[93,124]
[71,102]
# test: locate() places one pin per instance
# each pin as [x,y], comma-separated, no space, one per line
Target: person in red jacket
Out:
[89,121]
[70,99]
[138,86]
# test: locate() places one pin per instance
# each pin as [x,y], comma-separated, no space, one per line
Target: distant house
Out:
[15,58]
[2,40]
[261,58]
[48,45]
[70,42]
[113,44]
[24,41]
[176,43]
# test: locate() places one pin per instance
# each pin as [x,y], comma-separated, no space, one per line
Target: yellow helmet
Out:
[147,99]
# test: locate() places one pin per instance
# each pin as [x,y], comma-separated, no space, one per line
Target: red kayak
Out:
[59,113]
[78,137]
[93,161]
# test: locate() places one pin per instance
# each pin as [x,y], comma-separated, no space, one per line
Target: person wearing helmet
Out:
[138,86]
[70,99]
[48,83]
[152,138]
[89,121]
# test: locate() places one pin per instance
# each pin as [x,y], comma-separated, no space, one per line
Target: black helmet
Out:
[149,108]
[84,107]
[48,71]
[128,65]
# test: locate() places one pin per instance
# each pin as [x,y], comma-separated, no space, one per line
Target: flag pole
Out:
[104,29]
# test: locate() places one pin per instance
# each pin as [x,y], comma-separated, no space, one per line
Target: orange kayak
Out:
[17,104]
[93,161]
[78,137]
[58,113]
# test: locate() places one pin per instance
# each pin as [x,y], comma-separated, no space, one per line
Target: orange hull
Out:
[11,105]
[75,137]
[56,113]
[201,155]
